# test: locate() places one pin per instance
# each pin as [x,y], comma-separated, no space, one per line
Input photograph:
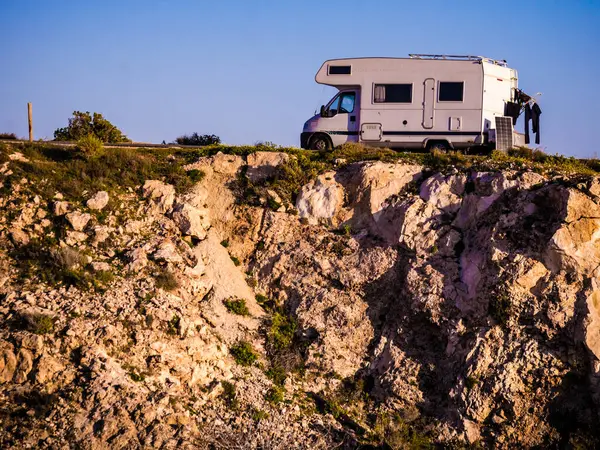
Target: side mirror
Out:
[322,111]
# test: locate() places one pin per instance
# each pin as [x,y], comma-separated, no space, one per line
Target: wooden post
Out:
[30,116]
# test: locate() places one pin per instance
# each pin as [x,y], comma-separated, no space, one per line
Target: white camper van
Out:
[424,101]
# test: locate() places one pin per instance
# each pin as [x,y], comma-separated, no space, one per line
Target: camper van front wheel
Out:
[320,142]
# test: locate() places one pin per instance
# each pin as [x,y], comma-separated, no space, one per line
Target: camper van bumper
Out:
[305,139]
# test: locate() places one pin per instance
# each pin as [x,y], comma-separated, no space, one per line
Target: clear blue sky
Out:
[244,70]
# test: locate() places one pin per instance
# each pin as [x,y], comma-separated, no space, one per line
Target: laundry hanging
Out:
[536,112]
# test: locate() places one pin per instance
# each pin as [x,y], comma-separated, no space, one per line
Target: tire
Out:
[438,146]
[321,143]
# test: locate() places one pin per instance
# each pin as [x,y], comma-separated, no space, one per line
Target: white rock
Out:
[191,221]
[167,251]
[262,165]
[78,220]
[321,199]
[60,208]
[160,194]
[98,201]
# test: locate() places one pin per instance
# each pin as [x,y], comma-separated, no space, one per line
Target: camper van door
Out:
[341,117]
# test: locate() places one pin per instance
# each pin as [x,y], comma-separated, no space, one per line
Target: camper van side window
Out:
[392,93]
[451,91]
[340,70]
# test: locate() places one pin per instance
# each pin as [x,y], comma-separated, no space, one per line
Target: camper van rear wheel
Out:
[320,142]
[438,146]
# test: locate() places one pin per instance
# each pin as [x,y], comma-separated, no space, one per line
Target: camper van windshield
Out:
[343,103]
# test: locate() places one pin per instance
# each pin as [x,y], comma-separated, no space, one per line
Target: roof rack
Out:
[499,62]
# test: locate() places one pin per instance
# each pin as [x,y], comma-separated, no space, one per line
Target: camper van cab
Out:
[424,101]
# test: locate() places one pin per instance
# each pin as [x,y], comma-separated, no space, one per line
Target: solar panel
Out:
[504,133]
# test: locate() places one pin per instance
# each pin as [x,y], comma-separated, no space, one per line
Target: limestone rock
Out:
[78,220]
[191,221]
[8,362]
[19,237]
[160,195]
[167,251]
[98,201]
[321,199]
[262,165]
[60,208]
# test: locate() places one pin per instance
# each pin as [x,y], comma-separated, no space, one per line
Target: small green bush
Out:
[259,414]
[236,306]
[8,136]
[199,140]
[174,325]
[196,175]
[225,243]
[229,395]
[236,261]
[83,124]
[500,308]
[471,382]
[243,353]
[166,280]
[277,374]
[40,324]
[90,145]
[282,330]
[275,395]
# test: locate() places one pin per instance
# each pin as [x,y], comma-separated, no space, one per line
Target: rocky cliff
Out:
[379,305]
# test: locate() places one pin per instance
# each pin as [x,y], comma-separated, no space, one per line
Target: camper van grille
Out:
[498,62]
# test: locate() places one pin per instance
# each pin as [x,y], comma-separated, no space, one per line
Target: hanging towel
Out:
[527,119]
[512,109]
[536,112]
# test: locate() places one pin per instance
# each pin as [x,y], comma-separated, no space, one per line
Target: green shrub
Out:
[174,325]
[83,124]
[277,375]
[259,414]
[90,145]
[196,175]
[471,382]
[275,395]
[225,243]
[236,306]
[166,280]
[229,395]
[236,261]
[500,308]
[8,136]
[39,323]
[243,353]
[281,331]
[199,140]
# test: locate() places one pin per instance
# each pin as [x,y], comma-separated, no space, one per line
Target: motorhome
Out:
[423,101]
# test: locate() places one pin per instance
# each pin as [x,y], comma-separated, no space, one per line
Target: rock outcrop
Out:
[389,305]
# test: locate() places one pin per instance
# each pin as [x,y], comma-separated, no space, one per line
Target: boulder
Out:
[60,208]
[8,362]
[321,199]
[160,195]
[167,251]
[19,237]
[98,201]
[262,165]
[191,221]
[78,220]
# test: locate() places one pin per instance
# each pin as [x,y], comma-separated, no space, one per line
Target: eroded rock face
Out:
[468,301]
[321,200]
[262,165]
